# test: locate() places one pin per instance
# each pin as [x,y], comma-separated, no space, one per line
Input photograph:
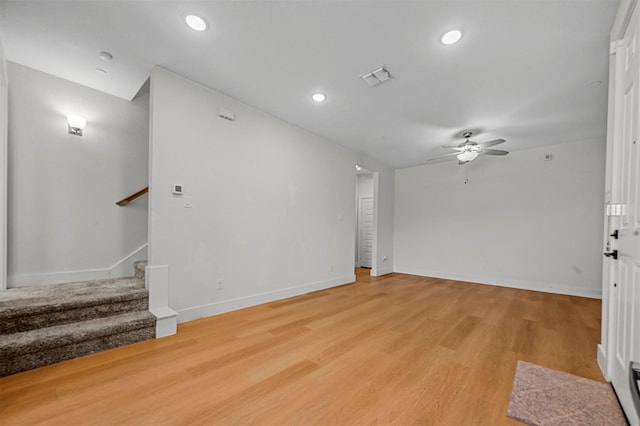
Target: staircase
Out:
[48,324]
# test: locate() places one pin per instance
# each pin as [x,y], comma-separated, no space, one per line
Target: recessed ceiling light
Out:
[101,71]
[195,22]
[319,97]
[595,83]
[451,37]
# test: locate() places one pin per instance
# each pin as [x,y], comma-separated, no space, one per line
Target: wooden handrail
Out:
[132,197]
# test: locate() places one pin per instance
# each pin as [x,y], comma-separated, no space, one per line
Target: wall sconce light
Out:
[76,124]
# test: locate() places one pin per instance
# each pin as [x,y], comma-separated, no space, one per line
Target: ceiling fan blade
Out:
[443,156]
[491,143]
[494,152]
[456,146]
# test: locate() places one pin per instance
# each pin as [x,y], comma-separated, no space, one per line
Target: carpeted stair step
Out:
[36,348]
[29,308]
[139,268]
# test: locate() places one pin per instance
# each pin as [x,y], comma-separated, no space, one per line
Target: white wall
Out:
[520,221]
[272,205]
[62,218]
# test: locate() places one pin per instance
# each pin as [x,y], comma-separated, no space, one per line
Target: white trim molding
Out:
[502,282]
[621,21]
[602,362]
[381,271]
[122,268]
[157,282]
[4,141]
[221,307]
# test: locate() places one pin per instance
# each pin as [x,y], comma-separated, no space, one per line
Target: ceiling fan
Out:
[469,150]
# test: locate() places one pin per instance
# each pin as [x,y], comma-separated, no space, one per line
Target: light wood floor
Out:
[397,349]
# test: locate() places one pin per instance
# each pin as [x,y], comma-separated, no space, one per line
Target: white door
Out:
[624,217]
[4,118]
[365,232]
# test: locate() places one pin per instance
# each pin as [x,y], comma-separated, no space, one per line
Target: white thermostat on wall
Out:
[178,189]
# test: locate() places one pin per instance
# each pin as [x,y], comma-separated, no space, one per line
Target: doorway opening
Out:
[366,228]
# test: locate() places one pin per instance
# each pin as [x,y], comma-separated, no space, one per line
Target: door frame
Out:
[618,30]
[4,132]
[373,226]
[606,352]
[374,249]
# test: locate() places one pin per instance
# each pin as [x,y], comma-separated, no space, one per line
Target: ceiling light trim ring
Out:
[195,22]
[452,36]
[319,97]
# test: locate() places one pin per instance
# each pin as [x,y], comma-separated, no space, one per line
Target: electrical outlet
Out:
[384,258]
[220,284]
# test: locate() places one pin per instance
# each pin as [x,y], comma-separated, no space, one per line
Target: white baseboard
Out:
[602,362]
[381,271]
[122,268]
[166,322]
[223,306]
[502,282]
[157,282]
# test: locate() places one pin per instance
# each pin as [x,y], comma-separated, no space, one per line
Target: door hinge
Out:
[616,210]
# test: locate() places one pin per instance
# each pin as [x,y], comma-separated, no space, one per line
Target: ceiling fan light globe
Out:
[467,156]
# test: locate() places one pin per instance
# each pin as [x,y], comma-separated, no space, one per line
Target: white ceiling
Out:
[522,72]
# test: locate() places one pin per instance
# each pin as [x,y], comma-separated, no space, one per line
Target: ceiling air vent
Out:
[376,77]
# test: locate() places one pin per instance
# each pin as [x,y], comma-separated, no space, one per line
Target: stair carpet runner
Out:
[51,323]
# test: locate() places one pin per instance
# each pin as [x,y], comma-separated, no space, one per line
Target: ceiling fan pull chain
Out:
[466,173]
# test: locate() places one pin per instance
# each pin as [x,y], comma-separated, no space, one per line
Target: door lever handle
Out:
[615,234]
[613,254]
